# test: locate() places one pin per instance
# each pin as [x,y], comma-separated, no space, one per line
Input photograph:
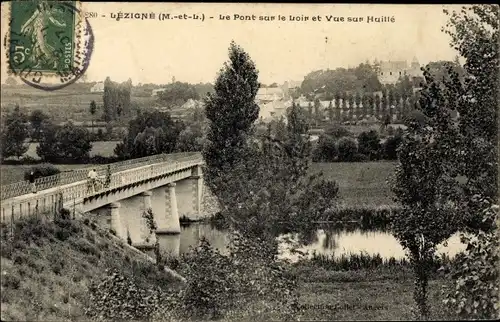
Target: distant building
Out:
[389,72]
[155,92]
[97,88]
[269,94]
[274,110]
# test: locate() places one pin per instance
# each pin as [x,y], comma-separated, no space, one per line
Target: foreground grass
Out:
[375,294]
[47,268]
[360,183]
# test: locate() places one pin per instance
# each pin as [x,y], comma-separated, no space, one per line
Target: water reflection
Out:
[329,241]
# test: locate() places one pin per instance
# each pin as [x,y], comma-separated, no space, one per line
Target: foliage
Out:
[221,286]
[336,131]
[178,93]
[326,149]
[67,142]
[14,134]
[347,149]
[193,136]
[149,133]
[369,144]
[118,297]
[476,273]
[116,99]
[42,171]
[391,145]
[341,80]
[231,111]
[37,120]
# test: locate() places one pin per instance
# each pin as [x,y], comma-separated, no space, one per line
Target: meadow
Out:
[360,183]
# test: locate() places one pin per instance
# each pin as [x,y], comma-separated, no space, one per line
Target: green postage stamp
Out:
[46,39]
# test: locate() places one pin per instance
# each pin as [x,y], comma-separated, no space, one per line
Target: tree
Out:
[317,112]
[14,134]
[369,144]
[178,93]
[62,143]
[474,33]
[37,120]
[93,110]
[391,146]
[116,99]
[331,112]
[150,133]
[347,149]
[231,111]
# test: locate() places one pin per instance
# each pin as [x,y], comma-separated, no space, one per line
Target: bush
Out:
[391,145]
[40,171]
[347,149]
[337,132]
[476,273]
[119,298]
[326,150]
[369,144]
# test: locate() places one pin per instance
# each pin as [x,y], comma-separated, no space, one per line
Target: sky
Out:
[153,51]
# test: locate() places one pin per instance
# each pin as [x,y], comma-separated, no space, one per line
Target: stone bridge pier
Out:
[167,204]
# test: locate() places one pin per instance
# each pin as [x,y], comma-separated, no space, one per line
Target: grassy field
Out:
[360,183]
[377,295]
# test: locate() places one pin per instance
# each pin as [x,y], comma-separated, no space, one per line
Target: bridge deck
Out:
[24,187]
[70,190]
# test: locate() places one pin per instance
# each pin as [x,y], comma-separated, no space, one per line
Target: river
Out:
[328,241]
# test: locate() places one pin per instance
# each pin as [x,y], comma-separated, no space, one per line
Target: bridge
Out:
[170,185]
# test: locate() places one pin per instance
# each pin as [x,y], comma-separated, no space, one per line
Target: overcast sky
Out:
[153,51]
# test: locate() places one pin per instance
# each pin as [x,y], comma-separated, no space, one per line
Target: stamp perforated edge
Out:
[79,47]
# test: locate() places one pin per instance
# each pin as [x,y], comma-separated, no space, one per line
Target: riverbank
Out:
[63,259]
[375,294]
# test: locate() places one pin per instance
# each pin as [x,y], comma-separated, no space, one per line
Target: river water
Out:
[328,241]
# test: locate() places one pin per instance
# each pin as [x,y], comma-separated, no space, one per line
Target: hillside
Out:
[48,268]
[71,102]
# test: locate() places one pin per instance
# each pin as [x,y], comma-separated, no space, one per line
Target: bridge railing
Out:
[24,187]
[53,198]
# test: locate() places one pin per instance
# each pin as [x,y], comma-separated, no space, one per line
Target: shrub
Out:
[476,273]
[326,150]
[119,298]
[40,171]
[369,144]
[391,146]
[347,148]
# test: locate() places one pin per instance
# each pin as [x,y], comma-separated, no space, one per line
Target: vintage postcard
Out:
[248,161]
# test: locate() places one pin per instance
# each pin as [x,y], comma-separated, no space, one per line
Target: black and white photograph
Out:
[249,161]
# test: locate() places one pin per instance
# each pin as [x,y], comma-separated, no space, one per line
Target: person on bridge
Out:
[31,179]
[92,177]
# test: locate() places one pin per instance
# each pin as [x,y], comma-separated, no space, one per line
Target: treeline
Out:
[339,145]
[328,82]
[147,134]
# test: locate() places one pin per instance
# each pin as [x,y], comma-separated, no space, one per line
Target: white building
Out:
[389,72]
[97,88]
[269,94]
